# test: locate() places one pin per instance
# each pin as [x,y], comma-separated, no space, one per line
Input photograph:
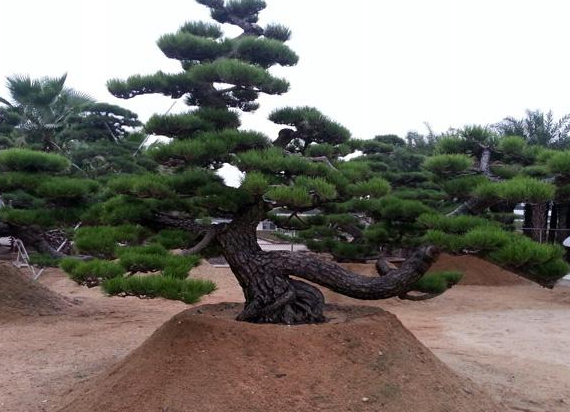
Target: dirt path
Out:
[512,340]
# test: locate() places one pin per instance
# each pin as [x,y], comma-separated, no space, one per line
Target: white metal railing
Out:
[23,259]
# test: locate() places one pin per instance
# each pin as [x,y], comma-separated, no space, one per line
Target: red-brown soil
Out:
[203,360]
[21,296]
[477,272]
[512,341]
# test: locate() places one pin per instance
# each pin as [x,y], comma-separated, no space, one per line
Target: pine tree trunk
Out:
[270,280]
[527,225]
[272,295]
[562,233]
[539,213]
[553,223]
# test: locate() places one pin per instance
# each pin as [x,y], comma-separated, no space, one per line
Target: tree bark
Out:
[539,211]
[562,233]
[553,223]
[527,225]
[270,280]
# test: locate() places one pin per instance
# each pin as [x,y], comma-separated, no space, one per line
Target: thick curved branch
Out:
[352,230]
[204,243]
[285,137]
[396,282]
[382,267]
[473,206]
[177,221]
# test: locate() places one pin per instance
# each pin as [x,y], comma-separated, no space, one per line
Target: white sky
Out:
[376,66]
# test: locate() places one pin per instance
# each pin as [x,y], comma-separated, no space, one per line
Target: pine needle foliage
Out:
[188,291]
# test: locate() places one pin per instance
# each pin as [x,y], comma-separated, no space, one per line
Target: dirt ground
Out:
[511,340]
[363,360]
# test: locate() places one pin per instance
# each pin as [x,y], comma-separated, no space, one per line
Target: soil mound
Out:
[21,296]
[202,360]
[478,272]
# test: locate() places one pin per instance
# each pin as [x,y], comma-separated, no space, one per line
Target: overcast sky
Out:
[375,66]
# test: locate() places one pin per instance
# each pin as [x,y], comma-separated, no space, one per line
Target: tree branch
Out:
[205,242]
[394,283]
[177,221]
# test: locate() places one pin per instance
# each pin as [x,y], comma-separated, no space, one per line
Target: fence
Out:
[543,235]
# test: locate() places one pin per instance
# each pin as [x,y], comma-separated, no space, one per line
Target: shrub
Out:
[143,258]
[513,146]
[188,291]
[255,184]
[391,207]
[536,171]
[449,243]
[455,224]
[525,189]
[179,266]
[448,164]
[462,187]
[559,163]
[102,241]
[142,262]
[63,188]
[123,209]
[437,282]
[523,252]
[93,272]
[25,160]
[486,238]
[549,272]
[290,196]
[68,264]
[452,145]
[376,187]
[506,171]
[519,189]
[44,260]
[141,186]
[21,217]
[173,239]
[18,180]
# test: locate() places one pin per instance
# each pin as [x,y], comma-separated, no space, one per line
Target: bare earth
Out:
[511,340]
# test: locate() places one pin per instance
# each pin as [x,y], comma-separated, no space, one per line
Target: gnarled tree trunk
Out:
[271,285]
[271,281]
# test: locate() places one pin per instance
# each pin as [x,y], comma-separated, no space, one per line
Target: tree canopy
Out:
[409,197]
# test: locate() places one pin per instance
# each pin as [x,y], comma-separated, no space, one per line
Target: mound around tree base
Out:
[22,296]
[202,360]
[477,271]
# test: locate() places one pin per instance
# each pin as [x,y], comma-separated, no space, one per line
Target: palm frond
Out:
[6,102]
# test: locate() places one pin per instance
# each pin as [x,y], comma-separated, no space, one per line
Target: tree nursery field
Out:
[428,274]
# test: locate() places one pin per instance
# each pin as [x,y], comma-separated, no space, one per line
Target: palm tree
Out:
[538,128]
[44,106]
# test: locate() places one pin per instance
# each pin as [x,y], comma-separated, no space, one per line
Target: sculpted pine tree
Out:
[40,194]
[298,172]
